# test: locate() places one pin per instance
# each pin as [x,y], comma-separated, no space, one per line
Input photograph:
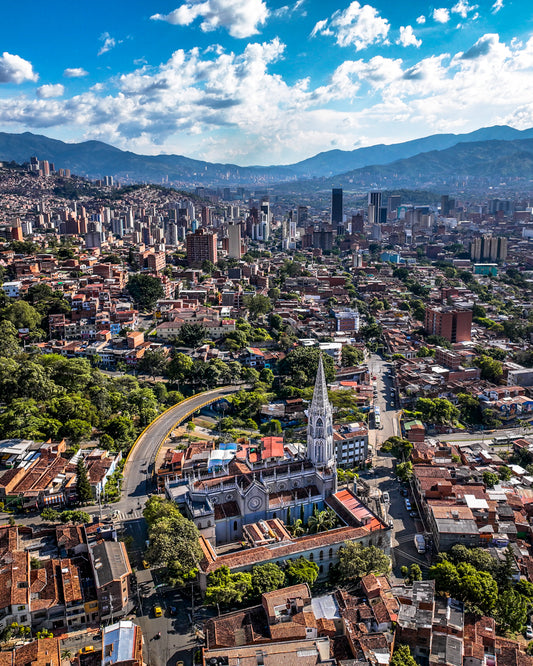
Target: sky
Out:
[263,81]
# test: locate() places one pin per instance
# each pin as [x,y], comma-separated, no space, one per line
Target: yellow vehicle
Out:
[145,565]
[158,611]
[87,649]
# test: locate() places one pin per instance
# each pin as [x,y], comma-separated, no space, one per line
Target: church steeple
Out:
[320,448]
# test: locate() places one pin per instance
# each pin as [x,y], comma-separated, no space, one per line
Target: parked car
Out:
[407,504]
[529,632]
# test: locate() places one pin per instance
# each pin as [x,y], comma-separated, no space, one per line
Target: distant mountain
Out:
[96,159]
[482,162]
[338,161]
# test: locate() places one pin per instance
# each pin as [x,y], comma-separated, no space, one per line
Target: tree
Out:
[157,507]
[490,479]
[9,342]
[257,304]
[491,369]
[356,561]
[145,290]
[192,335]
[76,430]
[351,356]
[22,315]
[267,578]
[404,470]
[83,486]
[399,447]
[402,656]
[301,365]
[511,613]
[74,517]
[469,407]
[224,587]
[154,362]
[505,473]
[44,633]
[121,430]
[180,368]
[173,542]
[322,521]
[297,529]
[50,515]
[272,427]
[445,576]
[301,571]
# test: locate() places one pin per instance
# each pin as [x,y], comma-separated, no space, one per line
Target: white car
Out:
[529,632]
[407,504]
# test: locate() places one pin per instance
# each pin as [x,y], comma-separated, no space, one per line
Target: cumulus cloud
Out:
[482,47]
[407,37]
[50,90]
[421,19]
[14,69]
[357,25]
[497,6]
[75,73]
[463,8]
[211,104]
[441,15]
[240,18]
[109,43]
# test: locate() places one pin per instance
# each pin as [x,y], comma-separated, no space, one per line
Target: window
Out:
[234,525]
[321,568]
[330,553]
[311,557]
[321,555]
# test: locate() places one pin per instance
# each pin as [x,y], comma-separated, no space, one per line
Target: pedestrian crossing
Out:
[124,516]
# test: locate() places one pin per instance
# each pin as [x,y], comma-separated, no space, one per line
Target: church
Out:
[282,482]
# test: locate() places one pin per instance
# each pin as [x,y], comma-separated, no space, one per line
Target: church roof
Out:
[320,394]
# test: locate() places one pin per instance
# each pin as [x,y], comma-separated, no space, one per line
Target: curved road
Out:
[137,477]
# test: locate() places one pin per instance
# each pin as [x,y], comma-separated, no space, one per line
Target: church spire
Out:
[320,394]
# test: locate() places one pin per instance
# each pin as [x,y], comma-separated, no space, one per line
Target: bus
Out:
[377,417]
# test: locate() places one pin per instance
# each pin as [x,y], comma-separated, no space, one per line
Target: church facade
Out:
[289,487]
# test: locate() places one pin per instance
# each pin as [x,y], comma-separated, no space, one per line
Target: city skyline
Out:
[261,82]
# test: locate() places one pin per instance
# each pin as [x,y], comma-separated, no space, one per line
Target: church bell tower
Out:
[320,448]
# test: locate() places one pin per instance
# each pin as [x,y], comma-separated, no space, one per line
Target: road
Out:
[382,476]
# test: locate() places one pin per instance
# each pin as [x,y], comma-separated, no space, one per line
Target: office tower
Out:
[446,205]
[302,215]
[206,216]
[376,232]
[117,226]
[357,224]
[234,241]
[374,199]
[452,323]
[172,234]
[336,209]
[108,181]
[201,246]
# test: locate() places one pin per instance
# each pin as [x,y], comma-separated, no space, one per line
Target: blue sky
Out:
[263,81]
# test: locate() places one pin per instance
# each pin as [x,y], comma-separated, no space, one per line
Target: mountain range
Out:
[493,153]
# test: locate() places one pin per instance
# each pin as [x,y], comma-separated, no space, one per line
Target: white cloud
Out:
[240,18]
[407,37]
[421,19]
[211,105]
[287,11]
[357,25]
[497,6]
[109,43]
[50,90]
[75,72]
[441,15]
[14,69]
[463,8]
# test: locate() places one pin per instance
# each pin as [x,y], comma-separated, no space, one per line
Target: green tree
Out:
[224,587]
[145,290]
[351,356]
[301,571]
[445,576]
[491,369]
[402,656]
[9,341]
[399,447]
[267,578]
[505,473]
[192,335]
[50,515]
[322,521]
[356,561]
[76,430]
[490,479]
[74,517]
[157,507]
[511,612]
[154,362]
[22,315]
[257,304]
[404,470]
[272,427]
[121,430]
[83,486]
[301,365]
[180,368]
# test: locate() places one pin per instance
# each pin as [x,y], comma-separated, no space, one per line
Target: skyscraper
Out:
[336,209]
[234,241]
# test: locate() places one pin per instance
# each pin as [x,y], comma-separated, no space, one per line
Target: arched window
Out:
[321,555]
[319,428]
[331,553]
[311,557]
[274,515]
[234,525]
[321,568]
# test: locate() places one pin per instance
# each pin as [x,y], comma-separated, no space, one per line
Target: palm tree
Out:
[66,654]
[322,521]
[297,528]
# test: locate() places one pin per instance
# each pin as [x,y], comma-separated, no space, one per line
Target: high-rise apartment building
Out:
[201,246]
[234,241]
[452,323]
[336,209]
[493,248]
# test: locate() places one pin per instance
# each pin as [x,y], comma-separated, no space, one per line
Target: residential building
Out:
[454,324]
